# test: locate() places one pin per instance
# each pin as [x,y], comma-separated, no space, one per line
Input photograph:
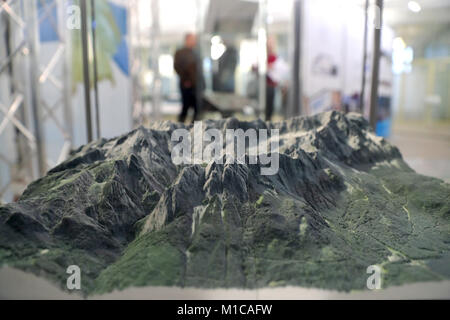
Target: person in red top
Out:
[271,85]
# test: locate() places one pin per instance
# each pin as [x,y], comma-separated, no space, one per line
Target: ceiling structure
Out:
[231,16]
[418,29]
[179,16]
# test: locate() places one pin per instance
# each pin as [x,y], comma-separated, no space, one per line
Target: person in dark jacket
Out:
[185,65]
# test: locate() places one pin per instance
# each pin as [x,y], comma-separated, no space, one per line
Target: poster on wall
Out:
[111,45]
[332,50]
[112,53]
[323,52]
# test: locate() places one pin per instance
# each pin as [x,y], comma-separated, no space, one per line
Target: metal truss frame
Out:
[23,110]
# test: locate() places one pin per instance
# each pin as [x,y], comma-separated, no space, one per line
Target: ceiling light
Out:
[414,6]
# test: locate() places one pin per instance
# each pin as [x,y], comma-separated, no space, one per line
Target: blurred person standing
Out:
[186,66]
[271,83]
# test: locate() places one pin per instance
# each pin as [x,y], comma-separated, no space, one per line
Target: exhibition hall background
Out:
[325,53]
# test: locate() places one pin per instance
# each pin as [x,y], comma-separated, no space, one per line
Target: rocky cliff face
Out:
[342,200]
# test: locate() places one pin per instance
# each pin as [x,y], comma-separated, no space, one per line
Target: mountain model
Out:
[341,201]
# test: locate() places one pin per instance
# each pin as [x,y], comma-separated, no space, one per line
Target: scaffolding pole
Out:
[262,56]
[86,78]
[66,72]
[32,39]
[95,72]
[295,92]
[155,51]
[136,59]
[364,63]
[376,65]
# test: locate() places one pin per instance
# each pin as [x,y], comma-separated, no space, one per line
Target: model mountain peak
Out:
[341,200]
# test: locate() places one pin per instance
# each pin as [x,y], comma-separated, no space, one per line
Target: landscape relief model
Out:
[341,200]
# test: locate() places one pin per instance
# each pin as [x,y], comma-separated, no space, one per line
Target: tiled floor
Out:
[425,148]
